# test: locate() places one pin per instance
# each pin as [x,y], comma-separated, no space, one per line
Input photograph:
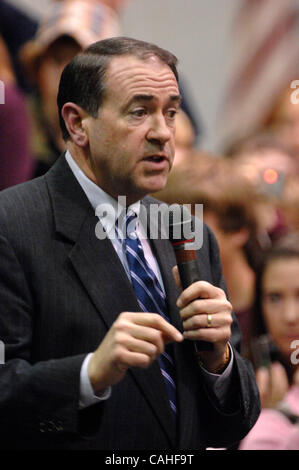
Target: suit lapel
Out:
[101,272]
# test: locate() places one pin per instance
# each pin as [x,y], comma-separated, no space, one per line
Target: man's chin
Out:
[149,186]
[157,183]
[156,188]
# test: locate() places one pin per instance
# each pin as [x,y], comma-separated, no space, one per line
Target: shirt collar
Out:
[106,207]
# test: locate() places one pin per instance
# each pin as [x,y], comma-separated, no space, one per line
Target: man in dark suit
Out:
[82,361]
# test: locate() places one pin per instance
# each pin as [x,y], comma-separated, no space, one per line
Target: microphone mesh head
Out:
[179,222]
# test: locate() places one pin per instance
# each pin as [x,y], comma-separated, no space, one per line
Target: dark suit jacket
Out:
[61,288]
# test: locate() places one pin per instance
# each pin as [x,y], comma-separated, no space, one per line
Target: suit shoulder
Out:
[21,190]
[25,200]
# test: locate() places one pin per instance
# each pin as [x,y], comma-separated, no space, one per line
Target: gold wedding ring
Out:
[209,320]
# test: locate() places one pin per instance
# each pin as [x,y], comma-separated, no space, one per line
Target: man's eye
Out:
[171,113]
[138,112]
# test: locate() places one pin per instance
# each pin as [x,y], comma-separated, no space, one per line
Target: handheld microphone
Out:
[181,236]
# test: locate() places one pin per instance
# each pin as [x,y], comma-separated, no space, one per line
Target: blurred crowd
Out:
[250,193]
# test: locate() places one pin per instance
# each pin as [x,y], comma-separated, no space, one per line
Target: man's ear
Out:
[73,116]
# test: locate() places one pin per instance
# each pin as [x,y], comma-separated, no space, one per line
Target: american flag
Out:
[266,61]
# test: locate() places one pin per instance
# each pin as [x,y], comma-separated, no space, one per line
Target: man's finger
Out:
[218,320]
[143,346]
[205,306]
[156,321]
[140,336]
[199,289]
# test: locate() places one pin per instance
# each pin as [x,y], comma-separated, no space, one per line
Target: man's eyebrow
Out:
[176,98]
[145,97]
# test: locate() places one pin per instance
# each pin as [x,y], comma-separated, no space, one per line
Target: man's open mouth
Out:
[155,158]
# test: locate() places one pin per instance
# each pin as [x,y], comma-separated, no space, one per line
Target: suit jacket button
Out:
[42,427]
[51,426]
[59,426]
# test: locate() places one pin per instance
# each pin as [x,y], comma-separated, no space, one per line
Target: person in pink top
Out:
[275,349]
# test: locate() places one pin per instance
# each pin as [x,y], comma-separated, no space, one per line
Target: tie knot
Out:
[126,225]
[131,223]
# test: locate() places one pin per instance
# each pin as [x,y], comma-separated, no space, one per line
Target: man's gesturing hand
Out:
[202,305]
[134,340]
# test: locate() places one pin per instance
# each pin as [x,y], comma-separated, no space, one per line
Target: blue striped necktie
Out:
[150,296]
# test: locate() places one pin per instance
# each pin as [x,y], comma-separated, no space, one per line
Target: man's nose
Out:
[159,130]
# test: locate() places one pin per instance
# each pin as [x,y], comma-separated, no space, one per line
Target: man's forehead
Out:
[129,72]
